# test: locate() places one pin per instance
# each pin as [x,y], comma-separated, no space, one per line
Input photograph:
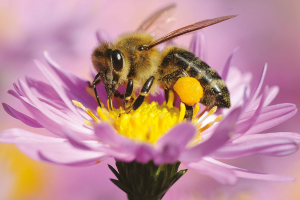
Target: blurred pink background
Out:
[265,30]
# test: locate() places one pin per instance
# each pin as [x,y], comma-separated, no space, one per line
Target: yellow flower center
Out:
[150,121]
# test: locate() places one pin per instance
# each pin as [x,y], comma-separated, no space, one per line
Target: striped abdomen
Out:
[178,62]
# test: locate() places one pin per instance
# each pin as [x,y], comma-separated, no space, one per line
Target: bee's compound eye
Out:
[117,60]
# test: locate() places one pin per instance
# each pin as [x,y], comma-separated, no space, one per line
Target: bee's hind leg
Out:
[188,112]
[144,92]
[174,76]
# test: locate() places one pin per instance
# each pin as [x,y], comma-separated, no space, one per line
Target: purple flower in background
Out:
[79,137]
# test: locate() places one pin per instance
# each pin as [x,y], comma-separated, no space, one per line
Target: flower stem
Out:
[145,181]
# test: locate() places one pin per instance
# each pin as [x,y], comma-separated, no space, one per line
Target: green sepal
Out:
[145,181]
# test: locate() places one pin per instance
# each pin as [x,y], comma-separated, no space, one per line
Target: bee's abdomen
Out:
[215,92]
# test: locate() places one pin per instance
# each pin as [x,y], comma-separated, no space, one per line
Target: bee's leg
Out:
[171,80]
[128,99]
[145,90]
[96,81]
[166,95]
[117,94]
[189,112]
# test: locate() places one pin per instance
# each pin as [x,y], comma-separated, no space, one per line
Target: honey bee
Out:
[134,59]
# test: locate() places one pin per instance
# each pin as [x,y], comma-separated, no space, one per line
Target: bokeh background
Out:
[265,30]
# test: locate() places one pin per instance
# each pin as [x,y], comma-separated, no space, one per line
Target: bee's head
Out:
[109,63]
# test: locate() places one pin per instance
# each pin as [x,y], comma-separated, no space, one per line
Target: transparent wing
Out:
[159,23]
[188,29]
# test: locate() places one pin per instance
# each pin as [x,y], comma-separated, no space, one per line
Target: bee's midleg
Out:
[145,90]
[166,95]
[128,94]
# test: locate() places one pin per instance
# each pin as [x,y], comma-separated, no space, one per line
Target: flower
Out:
[78,138]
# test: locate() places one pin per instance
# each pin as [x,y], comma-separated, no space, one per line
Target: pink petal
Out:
[220,173]
[55,150]
[62,153]
[247,124]
[42,88]
[18,90]
[70,80]
[105,133]
[54,123]
[198,45]
[243,173]
[180,135]
[23,118]
[172,143]
[115,151]
[73,83]
[268,145]
[228,64]
[272,93]
[102,36]
[270,118]
[289,135]
[19,136]
[256,91]
[218,138]
[270,96]
[56,86]
[79,143]
[119,154]
[144,153]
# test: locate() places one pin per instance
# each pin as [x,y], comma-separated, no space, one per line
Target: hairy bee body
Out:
[178,62]
[133,59]
[166,66]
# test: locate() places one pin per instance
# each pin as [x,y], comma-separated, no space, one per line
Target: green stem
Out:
[145,181]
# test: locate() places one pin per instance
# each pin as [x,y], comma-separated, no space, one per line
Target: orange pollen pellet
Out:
[189,90]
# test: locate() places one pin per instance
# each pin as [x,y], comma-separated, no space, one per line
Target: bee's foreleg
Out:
[145,90]
[96,81]
[128,95]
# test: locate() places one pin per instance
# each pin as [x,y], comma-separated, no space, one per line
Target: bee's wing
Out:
[188,29]
[159,22]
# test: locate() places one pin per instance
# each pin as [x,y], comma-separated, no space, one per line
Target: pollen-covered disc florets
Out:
[150,121]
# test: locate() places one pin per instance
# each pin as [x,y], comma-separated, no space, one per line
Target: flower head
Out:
[83,134]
